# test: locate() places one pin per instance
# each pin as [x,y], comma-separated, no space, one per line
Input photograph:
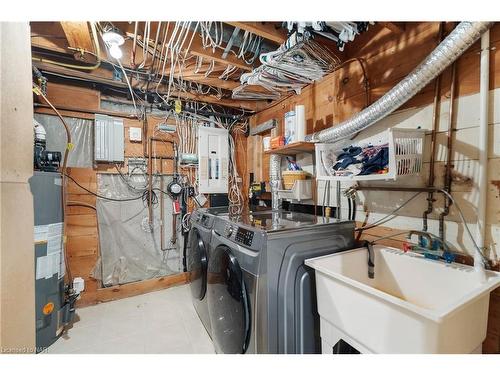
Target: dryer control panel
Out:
[244,236]
[239,235]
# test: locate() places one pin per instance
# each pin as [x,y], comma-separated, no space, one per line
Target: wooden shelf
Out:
[292,149]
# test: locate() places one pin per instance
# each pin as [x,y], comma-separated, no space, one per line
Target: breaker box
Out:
[109,139]
[213,158]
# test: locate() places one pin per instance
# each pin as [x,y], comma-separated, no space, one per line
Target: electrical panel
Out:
[108,139]
[213,158]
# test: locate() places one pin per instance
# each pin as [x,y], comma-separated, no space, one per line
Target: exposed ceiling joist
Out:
[197,48]
[78,35]
[187,74]
[267,30]
[395,27]
[99,76]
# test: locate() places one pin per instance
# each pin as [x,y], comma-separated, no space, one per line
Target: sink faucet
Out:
[426,235]
[444,252]
[371,259]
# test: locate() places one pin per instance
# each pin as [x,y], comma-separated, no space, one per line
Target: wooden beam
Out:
[395,27]
[267,30]
[140,287]
[196,47]
[78,36]
[187,74]
[98,77]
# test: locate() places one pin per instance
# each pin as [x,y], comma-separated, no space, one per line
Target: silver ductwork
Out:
[459,40]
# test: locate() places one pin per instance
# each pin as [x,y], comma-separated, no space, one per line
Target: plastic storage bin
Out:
[406,148]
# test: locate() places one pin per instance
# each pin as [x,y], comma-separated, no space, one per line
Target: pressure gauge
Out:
[174,188]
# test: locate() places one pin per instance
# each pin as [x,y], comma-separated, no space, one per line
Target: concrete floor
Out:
[158,322]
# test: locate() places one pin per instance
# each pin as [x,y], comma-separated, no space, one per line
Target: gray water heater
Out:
[52,311]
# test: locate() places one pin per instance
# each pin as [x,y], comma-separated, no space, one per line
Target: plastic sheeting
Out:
[130,251]
[82,137]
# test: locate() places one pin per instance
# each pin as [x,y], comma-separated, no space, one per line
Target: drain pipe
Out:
[484,91]
[454,45]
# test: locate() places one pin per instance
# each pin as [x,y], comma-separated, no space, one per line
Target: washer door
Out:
[227,302]
[196,264]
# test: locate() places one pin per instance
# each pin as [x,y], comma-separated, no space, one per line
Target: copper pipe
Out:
[162,213]
[150,169]
[451,130]
[134,46]
[150,182]
[155,46]
[393,188]
[435,117]
[63,181]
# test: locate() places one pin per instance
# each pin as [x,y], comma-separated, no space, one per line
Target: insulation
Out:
[130,251]
[81,133]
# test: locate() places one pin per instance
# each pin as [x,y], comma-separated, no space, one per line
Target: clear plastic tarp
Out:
[82,138]
[131,247]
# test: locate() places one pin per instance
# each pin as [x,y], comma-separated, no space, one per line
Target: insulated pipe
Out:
[483,151]
[459,40]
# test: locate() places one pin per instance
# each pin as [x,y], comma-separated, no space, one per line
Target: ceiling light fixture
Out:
[113,40]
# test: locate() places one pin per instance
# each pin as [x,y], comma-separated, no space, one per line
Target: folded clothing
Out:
[354,160]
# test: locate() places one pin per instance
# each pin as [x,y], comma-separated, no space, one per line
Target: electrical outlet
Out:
[135,134]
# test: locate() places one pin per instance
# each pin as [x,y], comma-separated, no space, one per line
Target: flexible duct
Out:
[459,40]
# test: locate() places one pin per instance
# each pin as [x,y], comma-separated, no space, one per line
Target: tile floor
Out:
[157,322]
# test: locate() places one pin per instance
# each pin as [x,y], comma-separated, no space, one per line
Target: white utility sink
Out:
[412,305]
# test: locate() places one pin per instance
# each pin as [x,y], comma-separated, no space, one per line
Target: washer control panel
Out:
[238,234]
[244,236]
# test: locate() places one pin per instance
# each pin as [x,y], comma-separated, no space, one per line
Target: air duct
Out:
[459,40]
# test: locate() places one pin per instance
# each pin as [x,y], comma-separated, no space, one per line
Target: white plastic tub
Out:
[413,305]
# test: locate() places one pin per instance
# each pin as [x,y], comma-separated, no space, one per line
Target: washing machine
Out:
[260,296]
[197,254]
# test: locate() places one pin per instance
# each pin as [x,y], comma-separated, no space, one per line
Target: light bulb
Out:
[115,51]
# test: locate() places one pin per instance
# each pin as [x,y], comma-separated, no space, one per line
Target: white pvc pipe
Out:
[482,182]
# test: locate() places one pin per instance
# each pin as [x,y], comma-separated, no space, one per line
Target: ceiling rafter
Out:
[267,30]
[102,77]
[76,35]
[196,48]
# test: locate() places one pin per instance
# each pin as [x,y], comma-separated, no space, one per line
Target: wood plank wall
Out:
[82,231]
[389,57]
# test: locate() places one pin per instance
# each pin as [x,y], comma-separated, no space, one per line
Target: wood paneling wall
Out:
[388,58]
[82,234]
